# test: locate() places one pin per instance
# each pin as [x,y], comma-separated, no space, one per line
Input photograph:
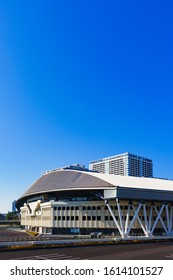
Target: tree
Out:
[12,216]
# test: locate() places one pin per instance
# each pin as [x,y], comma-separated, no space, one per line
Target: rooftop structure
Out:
[76,166]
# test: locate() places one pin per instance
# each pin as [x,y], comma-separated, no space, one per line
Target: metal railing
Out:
[31,238]
[6,222]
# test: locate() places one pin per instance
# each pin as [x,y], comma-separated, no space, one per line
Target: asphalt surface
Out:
[5,233]
[134,251]
[144,251]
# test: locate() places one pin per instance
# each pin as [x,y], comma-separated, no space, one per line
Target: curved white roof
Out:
[126,187]
[136,182]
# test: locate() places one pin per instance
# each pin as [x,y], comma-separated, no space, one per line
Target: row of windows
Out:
[77,208]
[76,218]
[88,208]
[98,218]
[125,207]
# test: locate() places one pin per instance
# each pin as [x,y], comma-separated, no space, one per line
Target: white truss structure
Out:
[151,217]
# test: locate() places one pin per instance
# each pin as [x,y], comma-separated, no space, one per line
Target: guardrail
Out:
[7,222]
[39,238]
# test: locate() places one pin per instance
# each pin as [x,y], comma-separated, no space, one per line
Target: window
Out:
[93,208]
[59,208]
[77,208]
[89,208]
[98,208]
[63,218]
[84,218]
[89,218]
[72,218]
[63,208]
[59,218]
[83,208]
[93,218]
[72,208]
[68,208]
[76,218]
[98,218]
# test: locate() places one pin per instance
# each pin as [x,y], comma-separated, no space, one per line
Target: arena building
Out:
[73,201]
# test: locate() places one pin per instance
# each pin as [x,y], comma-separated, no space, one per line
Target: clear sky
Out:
[81,80]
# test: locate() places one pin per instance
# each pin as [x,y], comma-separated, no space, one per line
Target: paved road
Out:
[10,233]
[152,251]
[139,251]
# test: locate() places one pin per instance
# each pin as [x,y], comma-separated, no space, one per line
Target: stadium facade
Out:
[73,201]
[126,164]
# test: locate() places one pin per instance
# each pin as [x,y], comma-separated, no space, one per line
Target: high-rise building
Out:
[14,206]
[126,164]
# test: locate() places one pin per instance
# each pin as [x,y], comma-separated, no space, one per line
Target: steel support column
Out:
[114,219]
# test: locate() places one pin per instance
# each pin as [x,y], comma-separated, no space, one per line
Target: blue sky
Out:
[82,80]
